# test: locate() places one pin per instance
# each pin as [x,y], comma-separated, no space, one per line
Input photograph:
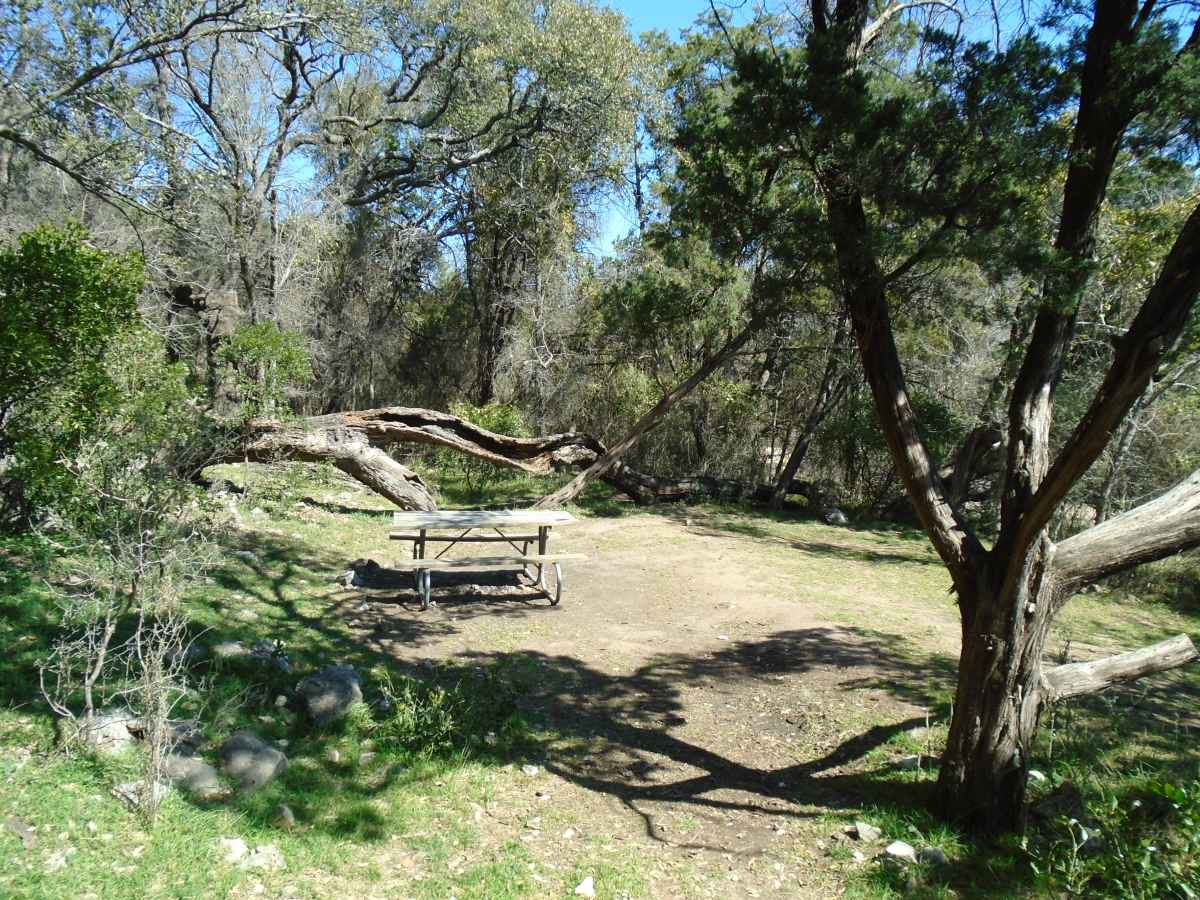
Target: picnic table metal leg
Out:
[558,583]
[424,587]
[543,543]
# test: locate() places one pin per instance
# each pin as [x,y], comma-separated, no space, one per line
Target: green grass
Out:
[403,823]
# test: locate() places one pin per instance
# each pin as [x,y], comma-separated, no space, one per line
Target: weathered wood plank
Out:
[480,518]
[479,562]
[466,539]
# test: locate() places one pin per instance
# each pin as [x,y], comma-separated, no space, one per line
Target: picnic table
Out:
[515,527]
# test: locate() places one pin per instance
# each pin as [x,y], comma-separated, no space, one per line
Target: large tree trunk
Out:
[998,701]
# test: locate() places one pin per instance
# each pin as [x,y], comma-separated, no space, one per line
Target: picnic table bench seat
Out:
[414,527]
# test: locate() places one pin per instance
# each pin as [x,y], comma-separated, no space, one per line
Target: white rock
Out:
[586,888]
[568,834]
[901,850]
[909,762]
[867,832]
[268,856]
[859,856]
[529,770]
[235,848]
[59,861]
[1037,777]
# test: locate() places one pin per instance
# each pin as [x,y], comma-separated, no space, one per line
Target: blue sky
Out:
[617,217]
[669,15]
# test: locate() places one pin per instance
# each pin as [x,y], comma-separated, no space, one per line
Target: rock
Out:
[866,832]
[586,888]
[193,775]
[900,850]
[268,856]
[22,830]
[909,762]
[131,792]
[859,856]
[365,759]
[224,486]
[108,731]
[932,856]
[59,860]
[835,517]
[284,817]
[1036,777]
[529,770]
[1065,800]
[327,695]
[193,653]
[230,650]
[568,834]
[333,755]
[281,701]
[271,653]
[234,848]
[251,760]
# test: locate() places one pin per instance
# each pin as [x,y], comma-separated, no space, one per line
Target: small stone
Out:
[867,832]
[91,827]
[131,792]
[859,856]
[534,823]
[233,848]
[284,817]
[333,755]
[251,760]
[901,850]
[193,775]
[268,856]
[722,637]
[529,770]
[22,830]
[328,694]
[59,860]
[932,856]
[281,701]
[909,762]
[365,759]
[586,888]
[568,834]
[230,650]
[109,731]
[1037,777]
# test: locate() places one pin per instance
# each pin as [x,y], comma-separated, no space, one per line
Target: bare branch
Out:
[1074,679]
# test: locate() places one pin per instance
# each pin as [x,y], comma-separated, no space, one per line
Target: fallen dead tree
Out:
[357,443]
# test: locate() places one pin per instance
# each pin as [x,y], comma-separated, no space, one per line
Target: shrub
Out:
[265,362]
[1133,847]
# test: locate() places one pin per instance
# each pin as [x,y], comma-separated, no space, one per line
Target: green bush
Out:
[479,475]
[65,307]
[1145,846]
[265,362]
[476,714]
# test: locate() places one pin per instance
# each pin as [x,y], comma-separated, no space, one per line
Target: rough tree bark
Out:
[1008,595]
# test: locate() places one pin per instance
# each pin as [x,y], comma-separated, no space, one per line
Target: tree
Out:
[950,162]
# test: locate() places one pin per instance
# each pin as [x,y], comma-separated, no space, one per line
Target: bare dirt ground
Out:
[719,707]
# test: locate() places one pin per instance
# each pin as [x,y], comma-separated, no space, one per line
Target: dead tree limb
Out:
[1165,526]
[1074,679]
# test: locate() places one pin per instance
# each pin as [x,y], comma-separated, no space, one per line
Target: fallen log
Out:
[1074,679]
[357,443]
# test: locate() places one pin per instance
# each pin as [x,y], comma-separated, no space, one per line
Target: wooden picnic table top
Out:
[481,518]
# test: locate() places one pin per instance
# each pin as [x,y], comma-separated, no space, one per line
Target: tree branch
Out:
[1074,679]
[1163,527]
